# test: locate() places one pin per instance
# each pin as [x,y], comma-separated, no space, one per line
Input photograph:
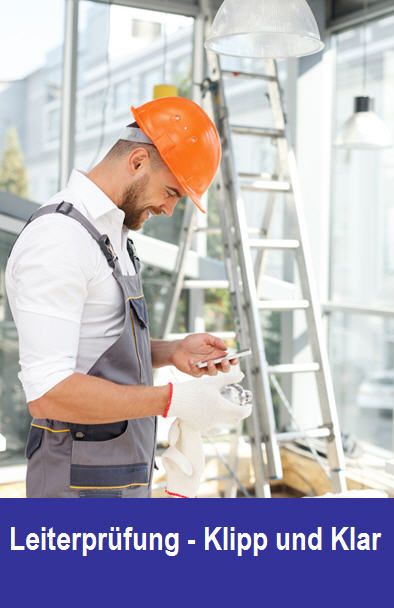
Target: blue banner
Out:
[318,552]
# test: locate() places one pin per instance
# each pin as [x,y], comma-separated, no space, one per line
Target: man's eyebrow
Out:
[175,190]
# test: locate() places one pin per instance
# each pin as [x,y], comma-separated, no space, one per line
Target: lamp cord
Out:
[365,47]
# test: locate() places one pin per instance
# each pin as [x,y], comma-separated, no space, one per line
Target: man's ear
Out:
[138,159]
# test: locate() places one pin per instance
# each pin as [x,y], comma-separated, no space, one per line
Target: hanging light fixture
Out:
[364,130]
[264,28]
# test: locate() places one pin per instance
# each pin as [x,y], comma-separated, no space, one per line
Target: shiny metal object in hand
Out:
[236,394]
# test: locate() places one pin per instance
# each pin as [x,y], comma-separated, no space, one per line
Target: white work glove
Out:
[183,460]
[200,405]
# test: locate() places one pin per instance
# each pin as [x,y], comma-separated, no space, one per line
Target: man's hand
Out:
[197,348]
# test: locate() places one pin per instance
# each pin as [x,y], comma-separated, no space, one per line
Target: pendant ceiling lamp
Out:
[364,130]
[264,28]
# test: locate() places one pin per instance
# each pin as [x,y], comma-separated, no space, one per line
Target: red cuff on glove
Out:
[179,495]
[169,400]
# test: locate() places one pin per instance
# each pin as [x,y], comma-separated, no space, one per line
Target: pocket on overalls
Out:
[140,310]
[33,441]
[105,465]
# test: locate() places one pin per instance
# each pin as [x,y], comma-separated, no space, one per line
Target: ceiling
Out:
[345,8]
[335,9]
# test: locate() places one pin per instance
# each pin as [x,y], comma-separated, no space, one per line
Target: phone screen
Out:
[229,356]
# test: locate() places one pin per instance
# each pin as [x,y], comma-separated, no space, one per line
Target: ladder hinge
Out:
[330,426]
[208,86]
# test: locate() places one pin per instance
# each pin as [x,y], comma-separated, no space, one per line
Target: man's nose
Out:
[168,206]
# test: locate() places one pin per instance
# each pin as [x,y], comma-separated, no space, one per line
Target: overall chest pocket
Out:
[139,310]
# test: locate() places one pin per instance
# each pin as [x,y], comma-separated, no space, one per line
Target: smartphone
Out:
[238,355]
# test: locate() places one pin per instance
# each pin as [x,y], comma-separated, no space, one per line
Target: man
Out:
[75,293]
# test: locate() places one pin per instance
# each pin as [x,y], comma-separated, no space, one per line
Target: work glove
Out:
[183,460]
[200,405]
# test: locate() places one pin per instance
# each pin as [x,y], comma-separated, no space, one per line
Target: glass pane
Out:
[362,357]
[14,415]
[362,269]
[30,97]
[362,255]
[138,49]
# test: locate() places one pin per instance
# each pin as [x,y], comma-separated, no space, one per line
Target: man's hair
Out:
[123,147]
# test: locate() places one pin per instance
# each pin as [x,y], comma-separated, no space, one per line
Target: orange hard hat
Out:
[186,139]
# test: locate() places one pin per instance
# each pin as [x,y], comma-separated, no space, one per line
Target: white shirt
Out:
[67,307]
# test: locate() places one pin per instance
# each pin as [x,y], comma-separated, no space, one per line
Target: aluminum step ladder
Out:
[245,277]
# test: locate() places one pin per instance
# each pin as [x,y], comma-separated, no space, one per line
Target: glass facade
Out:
[111,76]
[140,48]
[361,272]
[14,416]
[30,97]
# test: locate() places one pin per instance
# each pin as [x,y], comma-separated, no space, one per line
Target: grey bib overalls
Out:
[100,460]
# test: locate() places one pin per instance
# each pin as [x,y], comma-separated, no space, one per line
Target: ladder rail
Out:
[309,292]
[260,378]
[178,275]
[262,488]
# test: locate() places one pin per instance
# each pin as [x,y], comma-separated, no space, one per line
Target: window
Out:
[14,414]
[362,253]
[30,100]
[52,127]
[122,95]
[93,104]
[141,28]
[121,70]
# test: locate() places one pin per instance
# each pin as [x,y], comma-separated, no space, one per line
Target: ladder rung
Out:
[293,368]
[223,335]
[274,243]
[209,284]
[249,75]
[283,304]
[257,231]
[265,185]
[320,431]
[207,230]
[244,175]
[260,131]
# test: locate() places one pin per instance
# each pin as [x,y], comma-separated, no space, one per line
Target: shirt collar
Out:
[96,202]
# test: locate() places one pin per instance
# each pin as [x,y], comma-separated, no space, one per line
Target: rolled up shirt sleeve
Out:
[48,349]
[47,284]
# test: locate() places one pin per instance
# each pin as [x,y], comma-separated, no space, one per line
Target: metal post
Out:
[70,53]
[197,297]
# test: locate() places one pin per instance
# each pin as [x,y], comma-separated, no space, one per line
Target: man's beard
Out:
[131,203]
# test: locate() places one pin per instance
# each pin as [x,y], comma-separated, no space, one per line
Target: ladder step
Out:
[212,230]
[249,75]
[293,368]
[283,304]
[265,186]
[274,243]
[320,431]
[209,284]
[223,335]
[207,230]
[259,131]
[265,176]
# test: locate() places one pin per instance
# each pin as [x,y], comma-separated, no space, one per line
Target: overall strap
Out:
[68,209]
[133,255]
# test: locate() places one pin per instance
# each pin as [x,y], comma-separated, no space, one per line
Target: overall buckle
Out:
[107,249]
[64,208]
